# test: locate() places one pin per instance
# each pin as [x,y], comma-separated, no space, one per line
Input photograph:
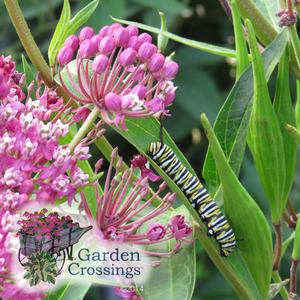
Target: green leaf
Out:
[28,71]
[191,43]
[140,133]
[269,9]
[67,26]
[253,231]
[162,41]
[285,112]
[59,35]
[81,17]
[231,125]
[175,277]
[240,42]
[265,138]
[297,107]
[70,291]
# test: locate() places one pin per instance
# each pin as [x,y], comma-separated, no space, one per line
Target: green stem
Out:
[283,291]
[27,40]
[85,127]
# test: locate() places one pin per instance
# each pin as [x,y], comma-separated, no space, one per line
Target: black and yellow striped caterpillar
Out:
[209,212]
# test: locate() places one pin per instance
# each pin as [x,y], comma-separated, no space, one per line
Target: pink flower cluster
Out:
[39,225]
[33,164]
[121,212]
[118,70]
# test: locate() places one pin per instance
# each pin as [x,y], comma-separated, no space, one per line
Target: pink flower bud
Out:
[121,37]
[86,33]
[132,30]
[169,70]
[134,43]
[156,232]
[96,40]
[27,186]
[113,102]
[100,63]
[145,38]
[81,113]
[146,50]
[72,42]
[156,62]
[141,91]
[65,55]
[127,57]
[112,28]
[4,90]
[107,45]
[156,104]
[87,49]
[103,31]
[169,98]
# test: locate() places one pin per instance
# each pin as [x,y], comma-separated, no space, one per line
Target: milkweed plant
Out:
[121,77]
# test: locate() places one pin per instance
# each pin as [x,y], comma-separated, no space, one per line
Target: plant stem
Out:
[292,210]
[85,127]
[27,40]
[293,277]
[277,248]
[226,7]
[283,291]
[295,42]
[290,222]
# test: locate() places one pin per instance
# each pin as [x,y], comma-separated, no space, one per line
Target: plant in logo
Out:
[45,243]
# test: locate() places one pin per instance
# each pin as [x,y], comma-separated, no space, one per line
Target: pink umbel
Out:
[119,71]
[122,214]
[34,167]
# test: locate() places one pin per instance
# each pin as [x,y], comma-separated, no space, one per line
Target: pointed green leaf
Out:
[265,138]
[81,17]
[59,35]
[253,231]
[240,42]
[231,125]
[297,108]
[191,43]
[28,70]
[175,277]
[285,113]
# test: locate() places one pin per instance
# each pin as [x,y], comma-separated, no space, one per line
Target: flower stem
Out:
[293,277]
[85,127]
[27,40]
[226,7]
[277,248]
[283,291]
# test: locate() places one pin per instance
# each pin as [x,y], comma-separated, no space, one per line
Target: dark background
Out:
[204,81]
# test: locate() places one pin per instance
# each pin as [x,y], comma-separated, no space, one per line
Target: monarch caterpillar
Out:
[201,201]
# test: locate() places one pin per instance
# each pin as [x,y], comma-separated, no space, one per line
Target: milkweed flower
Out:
[34,166]
[121,212]
[119,71]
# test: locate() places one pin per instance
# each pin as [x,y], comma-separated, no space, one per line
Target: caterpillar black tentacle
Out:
[200,199]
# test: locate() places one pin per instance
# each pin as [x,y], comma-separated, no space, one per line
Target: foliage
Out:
[250,165]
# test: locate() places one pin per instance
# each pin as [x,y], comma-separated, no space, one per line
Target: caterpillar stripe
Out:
[201,201]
